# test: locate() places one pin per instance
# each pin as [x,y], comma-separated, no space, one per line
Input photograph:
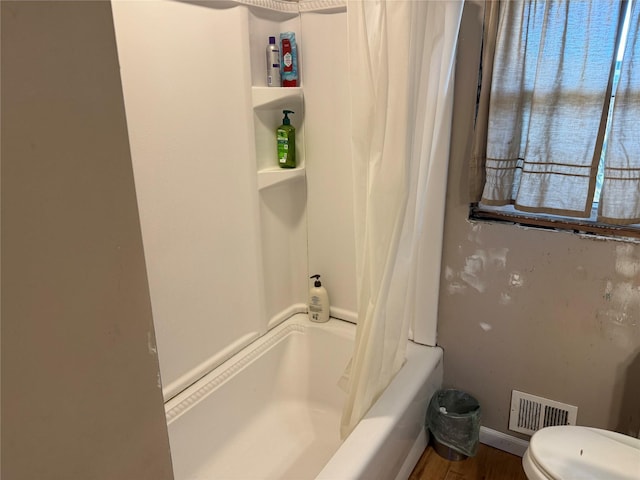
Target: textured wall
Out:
[81,394]
[548,313]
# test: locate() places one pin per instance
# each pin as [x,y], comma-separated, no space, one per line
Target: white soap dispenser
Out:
[318,301]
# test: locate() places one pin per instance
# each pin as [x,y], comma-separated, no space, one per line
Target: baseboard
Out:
[502,441]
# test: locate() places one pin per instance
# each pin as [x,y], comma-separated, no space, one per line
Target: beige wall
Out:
[548,313]
[80,385]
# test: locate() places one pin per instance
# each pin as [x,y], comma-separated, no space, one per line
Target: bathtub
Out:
[273,412]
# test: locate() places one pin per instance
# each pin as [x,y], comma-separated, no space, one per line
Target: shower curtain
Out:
[401,56]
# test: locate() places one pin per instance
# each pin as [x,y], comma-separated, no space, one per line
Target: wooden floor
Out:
[488,464]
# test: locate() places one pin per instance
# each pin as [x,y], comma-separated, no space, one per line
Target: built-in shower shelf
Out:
[268,104]
[273,176]
[272,97]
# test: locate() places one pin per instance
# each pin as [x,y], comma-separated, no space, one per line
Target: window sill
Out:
[587,226]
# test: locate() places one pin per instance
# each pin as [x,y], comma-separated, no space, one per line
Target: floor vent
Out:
[530,413]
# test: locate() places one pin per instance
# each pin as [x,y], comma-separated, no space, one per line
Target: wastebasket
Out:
[453,417]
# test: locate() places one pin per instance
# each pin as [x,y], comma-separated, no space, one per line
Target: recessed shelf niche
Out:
[282,192]
[268,103]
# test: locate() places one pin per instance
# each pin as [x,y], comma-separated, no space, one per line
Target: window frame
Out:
[553,222]
[507,214]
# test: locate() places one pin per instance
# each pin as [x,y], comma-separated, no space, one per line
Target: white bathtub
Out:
[273,412]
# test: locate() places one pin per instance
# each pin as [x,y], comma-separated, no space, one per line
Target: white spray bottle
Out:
[318,301]
[273,63]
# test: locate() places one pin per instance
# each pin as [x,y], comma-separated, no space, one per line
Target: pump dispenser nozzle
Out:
[317,282]
[285,120]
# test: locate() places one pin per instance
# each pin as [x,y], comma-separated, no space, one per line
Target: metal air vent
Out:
[530,413]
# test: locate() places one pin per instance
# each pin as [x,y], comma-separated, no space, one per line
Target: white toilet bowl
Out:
[567,452]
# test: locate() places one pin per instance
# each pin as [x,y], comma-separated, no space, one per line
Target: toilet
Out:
[581,453]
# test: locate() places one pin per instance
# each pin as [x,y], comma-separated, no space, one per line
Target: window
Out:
[556,130]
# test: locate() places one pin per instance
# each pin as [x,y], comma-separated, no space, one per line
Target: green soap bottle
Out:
[286,135]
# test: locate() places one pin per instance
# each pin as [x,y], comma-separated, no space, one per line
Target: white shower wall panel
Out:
[187,86]
[328,152]
[283,222]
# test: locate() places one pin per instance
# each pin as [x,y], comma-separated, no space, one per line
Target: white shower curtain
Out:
[401,55]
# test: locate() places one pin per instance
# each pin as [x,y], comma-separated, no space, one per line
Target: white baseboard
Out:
[502,441]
